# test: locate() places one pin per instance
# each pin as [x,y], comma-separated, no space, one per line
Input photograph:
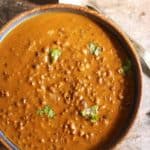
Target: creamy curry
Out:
[66,83]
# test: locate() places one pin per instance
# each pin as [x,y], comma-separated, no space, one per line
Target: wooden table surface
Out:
[134,17]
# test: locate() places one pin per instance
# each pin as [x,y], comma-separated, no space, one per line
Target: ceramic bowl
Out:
[113,29]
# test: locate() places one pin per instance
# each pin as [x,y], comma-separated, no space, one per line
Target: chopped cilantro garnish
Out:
[47,111]
[55,54]
[126,67]
[91,113]
[94,48]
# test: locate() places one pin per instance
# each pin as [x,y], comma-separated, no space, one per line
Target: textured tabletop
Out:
[134,17]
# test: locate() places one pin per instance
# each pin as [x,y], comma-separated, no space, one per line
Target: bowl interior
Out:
[108,25]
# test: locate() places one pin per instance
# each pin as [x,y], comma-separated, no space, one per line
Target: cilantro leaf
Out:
[94,48]
[91,113]
[55,54]
[46,111]
[126,67]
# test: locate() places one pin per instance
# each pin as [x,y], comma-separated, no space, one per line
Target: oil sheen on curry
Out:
[65,84]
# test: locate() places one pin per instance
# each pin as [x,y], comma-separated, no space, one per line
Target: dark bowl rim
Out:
[120,33]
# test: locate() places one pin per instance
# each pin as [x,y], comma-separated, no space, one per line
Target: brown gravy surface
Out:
[76,81]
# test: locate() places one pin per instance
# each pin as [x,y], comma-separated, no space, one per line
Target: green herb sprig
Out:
[126,67]
[54,54]
[46,111]
[94,48]
[91,113]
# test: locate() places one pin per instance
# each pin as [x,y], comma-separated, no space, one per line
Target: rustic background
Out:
[134,17]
